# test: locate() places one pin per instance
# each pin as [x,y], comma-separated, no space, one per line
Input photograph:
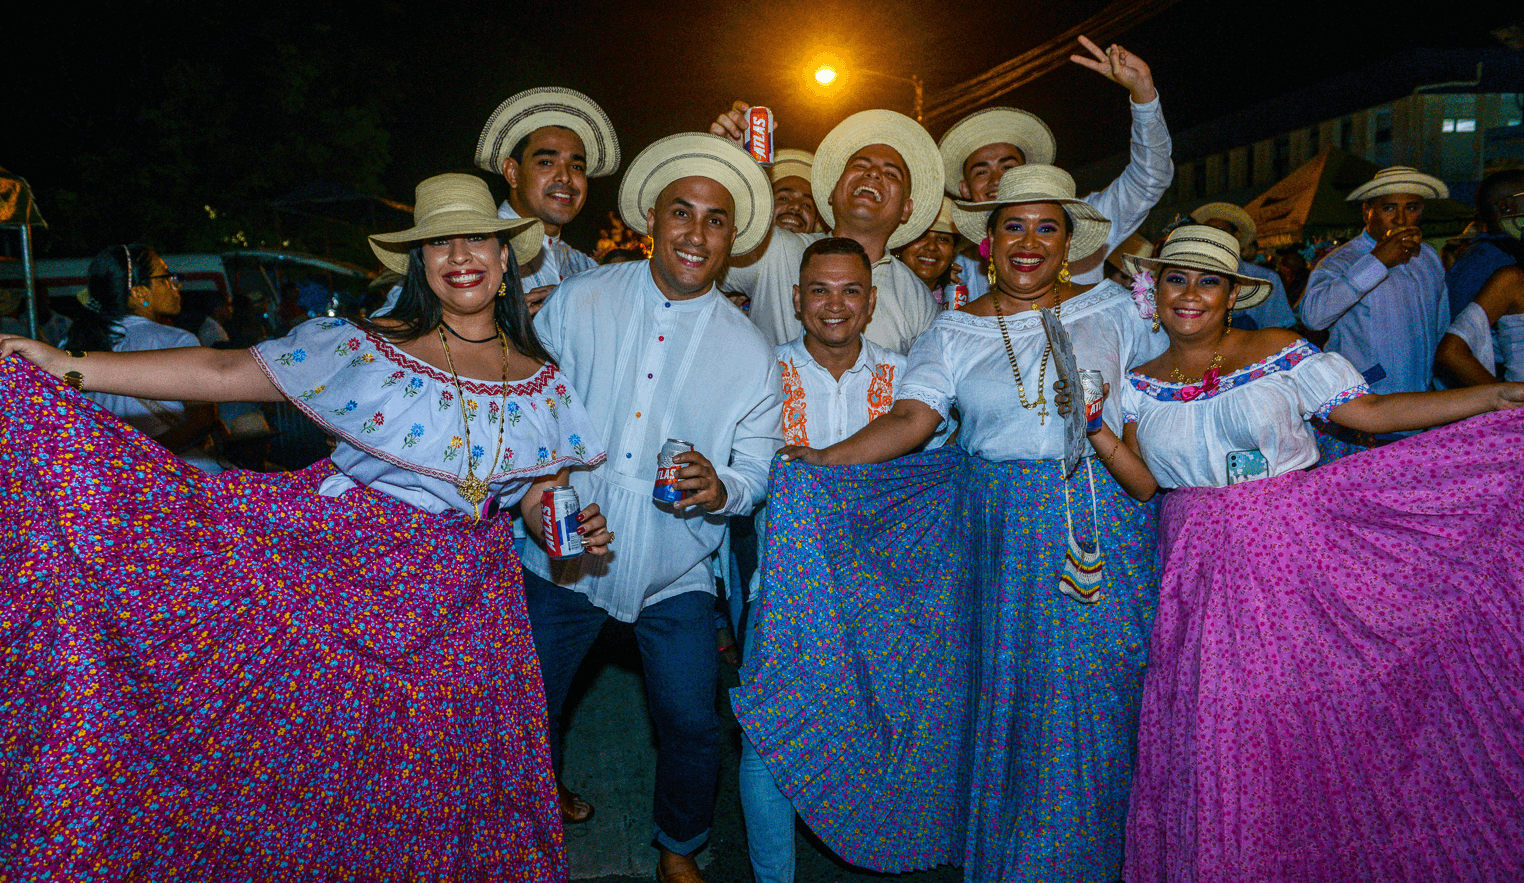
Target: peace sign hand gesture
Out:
[1121,67]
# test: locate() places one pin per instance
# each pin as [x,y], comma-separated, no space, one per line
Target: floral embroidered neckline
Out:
[1028,319]
[530,385]
[1215,383]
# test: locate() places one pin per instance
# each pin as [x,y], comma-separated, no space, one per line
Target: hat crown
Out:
[1030,183]
[1201,247]
[452,194]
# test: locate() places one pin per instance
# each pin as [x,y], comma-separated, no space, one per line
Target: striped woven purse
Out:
[1083,562]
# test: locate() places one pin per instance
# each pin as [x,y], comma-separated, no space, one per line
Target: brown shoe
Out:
[674,868]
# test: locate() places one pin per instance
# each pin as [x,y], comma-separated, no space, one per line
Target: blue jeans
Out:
[769,815]
[676,639]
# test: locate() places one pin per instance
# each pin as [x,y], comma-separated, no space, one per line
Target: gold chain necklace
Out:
[472,489]
[1179,376]
[1042,374]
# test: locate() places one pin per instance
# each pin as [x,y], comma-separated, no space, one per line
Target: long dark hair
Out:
[418,313]
[113,273]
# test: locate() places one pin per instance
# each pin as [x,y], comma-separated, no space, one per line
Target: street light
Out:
[825,75]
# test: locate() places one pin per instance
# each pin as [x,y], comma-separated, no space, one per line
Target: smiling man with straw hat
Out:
[883,181]
[546,143]
[978,149]
[793,198]
[1382,294]
[658,354]
[1275,310]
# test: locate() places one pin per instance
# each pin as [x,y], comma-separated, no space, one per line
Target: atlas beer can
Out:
[1092,383]
[958,298]
[666,471]
[759,134]
[558,516]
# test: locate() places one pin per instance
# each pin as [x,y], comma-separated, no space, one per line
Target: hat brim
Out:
[1251,291]
[996,125]
[914,145]
[1090,226]
[1226,211]
[533,109]
[525,236]
[1416,183]
[701,155]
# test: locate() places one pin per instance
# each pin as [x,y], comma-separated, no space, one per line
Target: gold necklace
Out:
[472,489]
[1179,376]
[1042,374]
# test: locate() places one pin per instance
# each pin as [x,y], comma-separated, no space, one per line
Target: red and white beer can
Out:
[759,134]
[558,516]
[1092,386]
[666,490]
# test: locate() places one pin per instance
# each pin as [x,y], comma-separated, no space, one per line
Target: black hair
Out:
[418,313]
[112,276]
[989,222]
[615,255]
[1493,188]
[836,245]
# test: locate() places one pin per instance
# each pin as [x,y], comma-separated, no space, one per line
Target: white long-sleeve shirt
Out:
[820,410]
[905,305]
[1275,310]
[648,369]
[1125,202]
[555,262]
[1387,322]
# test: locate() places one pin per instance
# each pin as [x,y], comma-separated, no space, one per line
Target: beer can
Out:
[558,516]
[959,298]
[1093,385]
[759,134]
[666,471]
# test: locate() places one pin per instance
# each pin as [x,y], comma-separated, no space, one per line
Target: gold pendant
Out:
[473,490]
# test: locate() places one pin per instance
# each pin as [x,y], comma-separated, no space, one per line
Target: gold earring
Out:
[1230,317]
[502,288]
[989,273]
[1063,273]
[1156,325]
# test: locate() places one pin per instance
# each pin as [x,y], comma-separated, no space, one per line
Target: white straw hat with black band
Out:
[913,143]
[1199,247]
[532,109]
[1400,179]
[995,125]
[1227,211]
[791,161]
[456,205]
[701,155]
[1037,183]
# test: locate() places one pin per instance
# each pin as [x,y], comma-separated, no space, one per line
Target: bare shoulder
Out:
[1261,343]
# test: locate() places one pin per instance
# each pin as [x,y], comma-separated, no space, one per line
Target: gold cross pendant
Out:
[1042,413]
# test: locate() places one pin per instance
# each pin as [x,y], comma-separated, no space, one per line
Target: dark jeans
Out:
[676,639]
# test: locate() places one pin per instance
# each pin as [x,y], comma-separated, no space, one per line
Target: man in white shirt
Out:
[835,381]
[982,146]
[656,352]
[793,198]
[1382,295]
[884,179]
[546,143]
[1275,310]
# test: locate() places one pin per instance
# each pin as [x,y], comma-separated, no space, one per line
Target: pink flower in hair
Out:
[1143,293]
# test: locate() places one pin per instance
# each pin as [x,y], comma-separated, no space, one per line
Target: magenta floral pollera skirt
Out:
[233,678]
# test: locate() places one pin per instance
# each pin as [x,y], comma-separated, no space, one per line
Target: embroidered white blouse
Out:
[1261,407]
[962,359]
[399,421]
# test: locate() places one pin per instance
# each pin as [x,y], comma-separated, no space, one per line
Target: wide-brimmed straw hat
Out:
[995,125]
[1199,247]
[791,161]
[1227,211]
[456,205]
[944,219]
[1037,183]
[1400,179]
[895,130]
[699,154]
[533,109]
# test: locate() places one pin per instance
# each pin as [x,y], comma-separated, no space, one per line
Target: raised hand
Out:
[1121,67]
[732,124]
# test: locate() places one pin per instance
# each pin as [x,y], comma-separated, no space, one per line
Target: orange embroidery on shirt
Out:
[793,406]
[881,391]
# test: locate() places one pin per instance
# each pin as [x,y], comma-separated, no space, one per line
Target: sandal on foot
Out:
[574,810]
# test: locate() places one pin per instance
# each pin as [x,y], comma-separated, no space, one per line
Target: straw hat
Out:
[1199,247]
[455,205]
[995,125]
[1400,179]
[702,155]
[1137,244]
[1037,183]
[944,221]
[791,161]
[1227,211]
[903,134]
[533,109]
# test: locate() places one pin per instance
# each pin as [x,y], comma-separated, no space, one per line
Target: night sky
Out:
[128,123]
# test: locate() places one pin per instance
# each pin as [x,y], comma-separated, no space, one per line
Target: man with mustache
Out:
[979,149]
[546,143]
[793,200]
[884,178]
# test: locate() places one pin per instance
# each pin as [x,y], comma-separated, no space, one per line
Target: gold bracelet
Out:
[1106,460]
[75,379]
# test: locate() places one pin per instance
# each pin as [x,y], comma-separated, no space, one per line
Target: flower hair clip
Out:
[1143,293]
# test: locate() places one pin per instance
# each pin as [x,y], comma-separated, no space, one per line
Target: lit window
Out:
[1447,126]
[1465,125]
